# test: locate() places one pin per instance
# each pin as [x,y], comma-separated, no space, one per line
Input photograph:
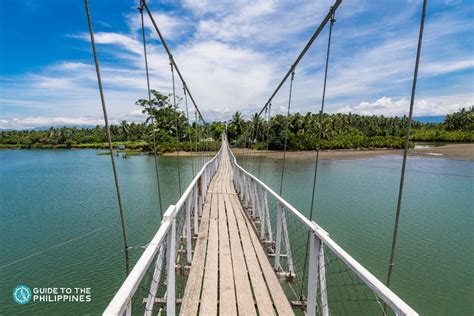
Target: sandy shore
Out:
[452,151]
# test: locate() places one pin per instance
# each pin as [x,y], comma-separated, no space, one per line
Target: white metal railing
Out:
[255,196]
[179,223]
[274,225]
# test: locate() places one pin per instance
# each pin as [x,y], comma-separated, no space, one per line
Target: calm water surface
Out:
[50,198]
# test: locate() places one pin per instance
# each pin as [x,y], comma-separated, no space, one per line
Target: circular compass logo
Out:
[21,294]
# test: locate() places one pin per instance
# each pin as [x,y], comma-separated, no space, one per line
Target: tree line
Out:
[343,131]
[172,130]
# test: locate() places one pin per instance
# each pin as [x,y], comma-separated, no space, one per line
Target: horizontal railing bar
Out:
[387,295]
[124,295]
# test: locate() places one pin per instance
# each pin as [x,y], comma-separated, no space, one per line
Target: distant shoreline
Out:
[462,151]
[450,151]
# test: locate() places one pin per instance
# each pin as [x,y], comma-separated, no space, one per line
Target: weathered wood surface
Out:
[230,272]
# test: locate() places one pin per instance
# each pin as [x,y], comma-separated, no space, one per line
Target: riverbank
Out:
[450,151]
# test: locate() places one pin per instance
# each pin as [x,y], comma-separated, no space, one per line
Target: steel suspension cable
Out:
[177,126]
[268,127]
[303,52]
[286,131]
[406,147]
[253,138]
[189,134]
[168,51]
[320,117]
[140,8]
[268,131]
[109,137]
[198,153]
[263,140]
[318,145]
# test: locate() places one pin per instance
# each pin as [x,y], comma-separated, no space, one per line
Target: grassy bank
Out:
[135,146]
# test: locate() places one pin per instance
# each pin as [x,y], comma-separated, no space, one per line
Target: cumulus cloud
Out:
[387,106]
[30,122]
[41,121]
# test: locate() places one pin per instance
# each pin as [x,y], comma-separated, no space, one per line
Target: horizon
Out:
[232,56]
[422,119]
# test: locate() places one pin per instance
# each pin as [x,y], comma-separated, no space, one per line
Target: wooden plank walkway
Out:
[230,272]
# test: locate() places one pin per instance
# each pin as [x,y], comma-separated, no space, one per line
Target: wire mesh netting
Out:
[346,293]
[152,293]
[154,283]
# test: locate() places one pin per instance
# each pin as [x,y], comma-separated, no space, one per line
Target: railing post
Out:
[322,280]
[171,285]
[189,249]
[252,189]
[204,186]
[196,210]
[261,205]
[128,311]
[249,197]
[267,215]
[314,247]
[278,237]
[154,283]
[200,194]
[244,190]
[289,256]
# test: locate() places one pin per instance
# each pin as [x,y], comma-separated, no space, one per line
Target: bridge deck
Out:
[230,272]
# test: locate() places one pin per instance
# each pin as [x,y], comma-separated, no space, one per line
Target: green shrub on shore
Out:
[439,135]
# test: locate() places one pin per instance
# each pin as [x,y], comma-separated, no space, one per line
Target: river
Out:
[59,221]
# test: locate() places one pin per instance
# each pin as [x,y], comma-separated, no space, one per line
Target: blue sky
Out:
[232,55]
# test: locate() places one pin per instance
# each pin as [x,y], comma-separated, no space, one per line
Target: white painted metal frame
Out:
[319,239]
[164,244]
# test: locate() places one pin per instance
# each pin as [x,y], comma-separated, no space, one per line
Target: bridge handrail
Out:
[386,294]
[121,303]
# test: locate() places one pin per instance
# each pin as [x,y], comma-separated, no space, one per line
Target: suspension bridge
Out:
[233,246]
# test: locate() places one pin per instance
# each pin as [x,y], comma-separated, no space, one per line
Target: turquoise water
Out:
[48,197]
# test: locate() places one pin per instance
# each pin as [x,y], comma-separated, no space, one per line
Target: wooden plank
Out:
[192,292]
[210,283]
[242,283]
[262,296]
[280,300]
[227,305]
[228,250]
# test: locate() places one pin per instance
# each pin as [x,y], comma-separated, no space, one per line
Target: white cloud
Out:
[233,54]
[44,121]
[446,67]
[387,106]
[172,26]
[41,121]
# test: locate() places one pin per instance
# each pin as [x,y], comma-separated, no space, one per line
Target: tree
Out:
[236,126]
[169,122]
[125,130]
[461,120]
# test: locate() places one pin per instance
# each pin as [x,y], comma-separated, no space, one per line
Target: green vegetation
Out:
[343,131]
[172,131]
[170,128]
